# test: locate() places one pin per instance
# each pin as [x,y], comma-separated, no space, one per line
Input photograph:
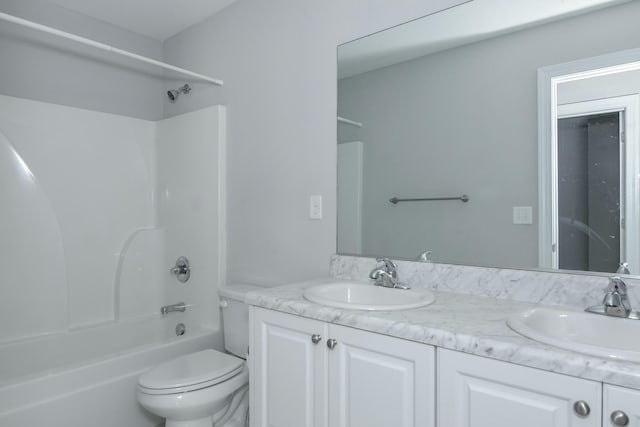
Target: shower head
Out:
[173,94]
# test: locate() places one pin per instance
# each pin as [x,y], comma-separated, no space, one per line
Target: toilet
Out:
[206,388]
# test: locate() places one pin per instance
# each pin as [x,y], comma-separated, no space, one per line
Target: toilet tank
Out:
[235,318]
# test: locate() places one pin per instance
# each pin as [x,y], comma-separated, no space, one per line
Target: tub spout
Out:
[166,309]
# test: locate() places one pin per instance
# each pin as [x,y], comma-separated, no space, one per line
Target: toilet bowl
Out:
[198,389]
[194,389]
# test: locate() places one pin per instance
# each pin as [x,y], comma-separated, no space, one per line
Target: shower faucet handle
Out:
[182,269]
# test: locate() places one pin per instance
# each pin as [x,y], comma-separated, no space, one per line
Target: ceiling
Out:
[158,19]
[467,23]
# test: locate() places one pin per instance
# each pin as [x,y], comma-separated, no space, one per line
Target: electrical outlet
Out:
[523,215]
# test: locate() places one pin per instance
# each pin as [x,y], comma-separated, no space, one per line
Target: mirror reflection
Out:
[457,116]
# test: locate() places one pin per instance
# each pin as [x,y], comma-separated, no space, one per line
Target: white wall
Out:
[44,68]
[278,61]
[464,121]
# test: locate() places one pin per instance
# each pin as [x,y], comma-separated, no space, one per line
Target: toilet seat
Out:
[190,372]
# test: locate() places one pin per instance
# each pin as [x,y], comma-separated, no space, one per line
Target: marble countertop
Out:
[468,323]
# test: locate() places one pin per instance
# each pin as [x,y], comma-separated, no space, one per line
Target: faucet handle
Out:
[389,265]
[424,256]
[617,285]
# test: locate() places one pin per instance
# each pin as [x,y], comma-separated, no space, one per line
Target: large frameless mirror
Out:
[494,134]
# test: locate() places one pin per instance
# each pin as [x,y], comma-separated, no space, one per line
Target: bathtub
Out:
[87,377]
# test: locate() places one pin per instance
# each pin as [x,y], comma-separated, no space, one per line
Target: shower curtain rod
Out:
[349,122]
[93,43]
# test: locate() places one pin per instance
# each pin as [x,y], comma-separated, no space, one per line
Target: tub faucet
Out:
[386,275]
[166,309]
[616,301]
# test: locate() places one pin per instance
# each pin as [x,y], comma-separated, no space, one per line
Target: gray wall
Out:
[43,68]
[465,121]
[278,61]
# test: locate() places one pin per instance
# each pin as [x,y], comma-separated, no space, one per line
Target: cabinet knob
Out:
[582,408]
[316,338]
[332,343]
[619,418]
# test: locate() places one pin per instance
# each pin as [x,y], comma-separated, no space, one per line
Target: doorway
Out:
[596,185]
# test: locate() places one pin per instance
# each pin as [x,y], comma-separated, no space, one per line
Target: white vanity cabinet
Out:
[621,407]
[307,373]
[288,377]
[475,391]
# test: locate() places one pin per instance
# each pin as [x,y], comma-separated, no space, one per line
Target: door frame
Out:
[548,80]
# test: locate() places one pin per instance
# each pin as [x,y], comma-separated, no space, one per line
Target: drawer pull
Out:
[619,418]
[582,408]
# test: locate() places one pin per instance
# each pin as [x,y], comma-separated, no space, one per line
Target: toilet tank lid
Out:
[238,291]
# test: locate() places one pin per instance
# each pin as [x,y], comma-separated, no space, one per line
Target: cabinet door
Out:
[478,392]
[380,381]
[288,377]
[620,401]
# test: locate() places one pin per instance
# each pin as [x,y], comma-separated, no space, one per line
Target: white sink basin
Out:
[360,296]
[602,336]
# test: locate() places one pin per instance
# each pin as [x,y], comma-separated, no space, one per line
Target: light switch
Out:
[523,215]
[315,207]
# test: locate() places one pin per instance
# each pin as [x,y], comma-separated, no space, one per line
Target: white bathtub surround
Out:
[85,183]
[139,269]
[542,287]
[97,207]
[468,323]
[191,158]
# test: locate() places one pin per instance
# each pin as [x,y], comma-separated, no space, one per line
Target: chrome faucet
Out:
[166,309]
[616,301]
[386,275]
[424,256]
[623,268]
